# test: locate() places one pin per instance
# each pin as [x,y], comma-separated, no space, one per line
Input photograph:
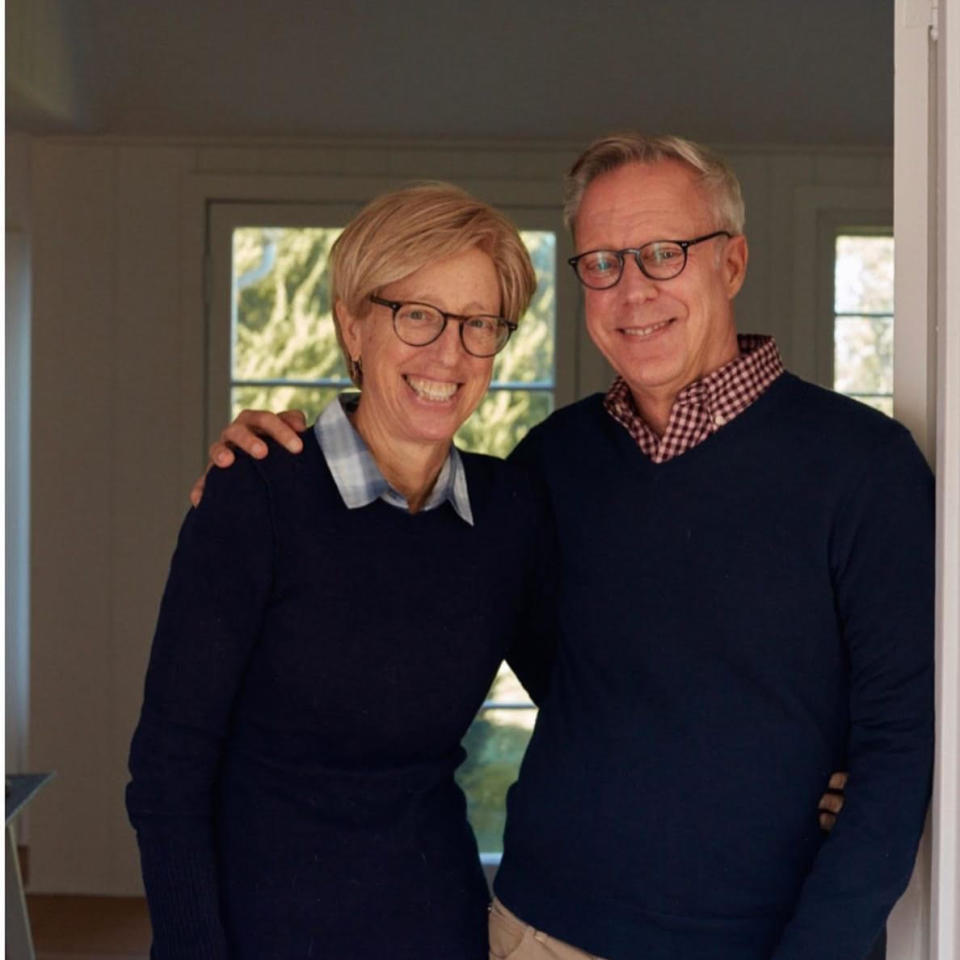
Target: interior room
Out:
[147,142]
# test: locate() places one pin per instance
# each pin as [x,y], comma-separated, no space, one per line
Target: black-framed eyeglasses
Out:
[418,324]
[658,260]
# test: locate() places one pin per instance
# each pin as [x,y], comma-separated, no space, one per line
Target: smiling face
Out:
[660,335]
[423,394]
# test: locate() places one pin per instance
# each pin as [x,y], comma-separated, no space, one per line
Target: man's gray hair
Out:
[716,178]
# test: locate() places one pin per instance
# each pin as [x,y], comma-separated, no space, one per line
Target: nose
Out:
[635,284]
[447,347]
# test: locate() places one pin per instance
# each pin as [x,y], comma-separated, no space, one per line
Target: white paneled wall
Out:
[119,405]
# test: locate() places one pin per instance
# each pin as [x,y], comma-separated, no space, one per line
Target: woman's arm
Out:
[210,617]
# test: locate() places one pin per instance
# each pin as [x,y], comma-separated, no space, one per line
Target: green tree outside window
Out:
[285,355]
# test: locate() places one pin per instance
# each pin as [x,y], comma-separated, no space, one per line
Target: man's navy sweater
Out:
[736,623]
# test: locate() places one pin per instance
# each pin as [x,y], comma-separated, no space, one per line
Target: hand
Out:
[831,803]
[244,434]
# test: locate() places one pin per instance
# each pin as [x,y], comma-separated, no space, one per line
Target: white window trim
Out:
[224,219]
[532,204]
[820,214]
[833,231]
[224,216]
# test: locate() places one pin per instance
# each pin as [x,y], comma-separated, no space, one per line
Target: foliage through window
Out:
[863,319]
[284,355]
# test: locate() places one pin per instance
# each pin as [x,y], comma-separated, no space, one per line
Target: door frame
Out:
[927,397]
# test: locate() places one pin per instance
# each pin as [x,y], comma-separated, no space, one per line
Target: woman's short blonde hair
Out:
[716,178]
[399,232]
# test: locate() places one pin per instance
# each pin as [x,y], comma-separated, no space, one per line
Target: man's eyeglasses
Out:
[658,260]
[418,324]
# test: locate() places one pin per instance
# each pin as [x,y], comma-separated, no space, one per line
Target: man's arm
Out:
[883,578]
[244,433]
[532,652]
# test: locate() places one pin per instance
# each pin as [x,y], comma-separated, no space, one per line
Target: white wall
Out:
[118,405]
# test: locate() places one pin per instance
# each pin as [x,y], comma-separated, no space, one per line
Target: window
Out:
[283,350]
[863,318]
[283,354]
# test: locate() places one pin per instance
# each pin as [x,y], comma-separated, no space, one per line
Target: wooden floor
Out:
[89,928]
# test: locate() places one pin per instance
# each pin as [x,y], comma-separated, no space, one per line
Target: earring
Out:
[356,370]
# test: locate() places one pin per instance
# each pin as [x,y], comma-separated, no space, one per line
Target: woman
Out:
[332,622]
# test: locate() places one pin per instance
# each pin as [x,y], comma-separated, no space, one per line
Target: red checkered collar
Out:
[704,406]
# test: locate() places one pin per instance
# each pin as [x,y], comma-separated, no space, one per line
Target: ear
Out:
[350,329]
[735,256]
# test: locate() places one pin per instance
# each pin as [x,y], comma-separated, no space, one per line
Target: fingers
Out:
[196,491]
[294,419]
[223,456]
[245,432]
[831,803]
[838,780]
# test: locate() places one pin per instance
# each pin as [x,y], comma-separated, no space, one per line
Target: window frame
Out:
[831,223]
[859,230]
[223,217]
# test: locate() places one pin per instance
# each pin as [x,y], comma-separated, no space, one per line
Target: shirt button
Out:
[719,419]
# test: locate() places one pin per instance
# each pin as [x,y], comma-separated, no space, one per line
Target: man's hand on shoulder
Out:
[244,433]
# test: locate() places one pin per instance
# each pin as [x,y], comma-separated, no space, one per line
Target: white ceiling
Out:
[758,71]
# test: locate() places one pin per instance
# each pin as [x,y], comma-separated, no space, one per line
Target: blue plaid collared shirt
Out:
[357,476]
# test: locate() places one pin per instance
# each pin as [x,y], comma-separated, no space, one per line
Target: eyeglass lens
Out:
[418,324]
[661,260]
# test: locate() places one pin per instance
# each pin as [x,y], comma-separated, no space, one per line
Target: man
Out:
[747,596]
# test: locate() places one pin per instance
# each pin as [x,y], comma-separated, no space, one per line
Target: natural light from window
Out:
[284,355]
[863,319]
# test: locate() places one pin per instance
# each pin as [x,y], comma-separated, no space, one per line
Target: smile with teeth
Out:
[435,390]
[646,331]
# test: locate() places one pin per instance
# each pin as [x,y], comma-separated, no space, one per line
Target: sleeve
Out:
[882,559]
[210,617]
[532,654]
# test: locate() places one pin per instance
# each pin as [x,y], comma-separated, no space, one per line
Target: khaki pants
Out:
[512,939]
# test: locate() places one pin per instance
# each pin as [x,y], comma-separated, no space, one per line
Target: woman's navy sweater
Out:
[313,672]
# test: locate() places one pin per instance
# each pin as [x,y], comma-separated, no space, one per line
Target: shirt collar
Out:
[358,478]
[703,406]
[730,389]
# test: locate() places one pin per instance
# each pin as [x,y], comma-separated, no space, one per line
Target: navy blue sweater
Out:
[736,623]
[313,672]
